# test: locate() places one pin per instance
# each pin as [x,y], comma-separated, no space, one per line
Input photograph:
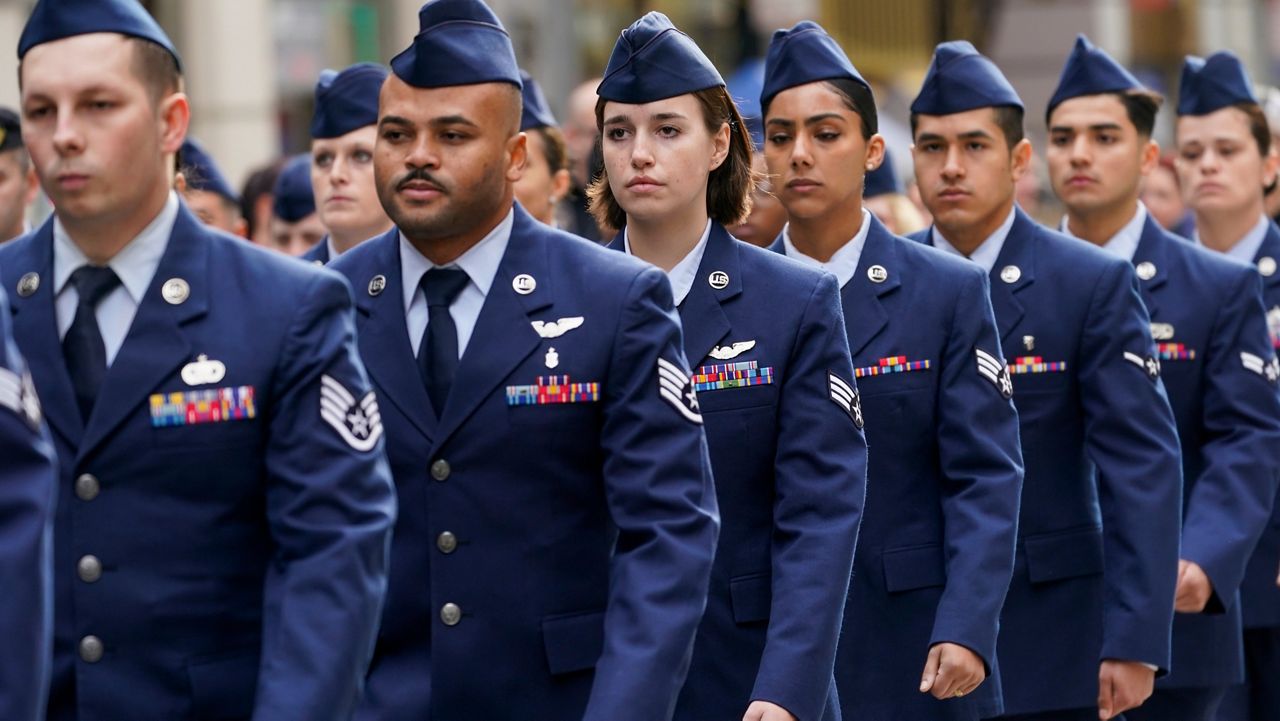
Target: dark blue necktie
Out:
[438,353]
[85,353]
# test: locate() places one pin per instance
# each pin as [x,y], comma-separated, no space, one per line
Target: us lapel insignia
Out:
[1267,266]
[1146,270]
[733,350]
[202,371]
[556,328]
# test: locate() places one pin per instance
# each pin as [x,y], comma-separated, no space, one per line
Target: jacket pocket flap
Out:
[224,686]
[1053,557]
[574,642]
[752,596]
[907,569]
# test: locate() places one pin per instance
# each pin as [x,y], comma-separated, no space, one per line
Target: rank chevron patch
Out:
[359,424]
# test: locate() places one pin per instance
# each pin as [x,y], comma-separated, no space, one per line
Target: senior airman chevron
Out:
[1267,369]
[720,376]
[1150,364]
[676,388]
[994,370]
[846,397]
[551,390]
[359,424]
[893,364]
[213,405]
[1034,364]
[19,395]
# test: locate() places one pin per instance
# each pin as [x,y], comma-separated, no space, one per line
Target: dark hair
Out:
[1140,105]
[1007,117]
[1258,126]
[259,183]
[554,149]
[728,187]
[856,96]
[156,68]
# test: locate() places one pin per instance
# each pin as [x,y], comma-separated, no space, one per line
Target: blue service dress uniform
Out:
[936,549]
[1102,486]
[1259,594]
[1218,367]
[220,547]
[789,461]
[557,516]
[319,253]
[28,483]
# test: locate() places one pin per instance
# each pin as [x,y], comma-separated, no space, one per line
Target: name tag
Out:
[214,405]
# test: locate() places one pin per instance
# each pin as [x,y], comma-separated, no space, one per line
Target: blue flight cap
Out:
[347,100]
[883,180]
[804,54]
[653,60]
[293,197]
[961,79]
[202,173]
[1209,85]
[10,130]
[57,19]
[459,42]
[1090,71]
[535,113]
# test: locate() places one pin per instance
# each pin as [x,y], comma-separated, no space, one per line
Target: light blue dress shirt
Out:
[685,272]
[1246,249]
[844,262]
[989,252]
[1124,243]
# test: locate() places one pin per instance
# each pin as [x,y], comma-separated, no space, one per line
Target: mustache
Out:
[419,174]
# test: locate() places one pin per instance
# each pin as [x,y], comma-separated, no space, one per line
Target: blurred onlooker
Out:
[884,196]
[546,171]
[767,217]
[207,191]
[1162,194]
[295,224]
[1269,99]
[256,201]
[580,136]
[18,182]
[344,129]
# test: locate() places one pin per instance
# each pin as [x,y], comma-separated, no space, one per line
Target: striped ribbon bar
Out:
[550,390]
[893,364]
[1174,352]
[216,405]
[720,376]
[1032,364]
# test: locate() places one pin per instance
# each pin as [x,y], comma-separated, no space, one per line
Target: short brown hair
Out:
[1007,117]
[1258,126]
[554,149]
[156,68]
[728,187]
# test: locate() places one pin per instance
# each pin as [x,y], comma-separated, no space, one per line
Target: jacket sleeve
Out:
[331,507]
[1229,503]
[820,485]
[661,497]
[981,459]
[28,483]
[1132,440]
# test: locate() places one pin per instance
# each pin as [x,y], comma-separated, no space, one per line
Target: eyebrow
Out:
[443,120]
[811,120]
[624,118]
[1095,126]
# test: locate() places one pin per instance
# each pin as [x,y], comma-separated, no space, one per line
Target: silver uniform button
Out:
[91,649]
[451,614]
[440,470]
[87,487]
[447,542]
[89,569]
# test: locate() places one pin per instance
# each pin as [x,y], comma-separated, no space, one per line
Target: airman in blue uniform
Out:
[1090,605]
[558,516]
[1226,161]
[295,224]
[206,190]
[344,128]
[28,483]
[545,180]
[935,553]
[224,508]
[773,376]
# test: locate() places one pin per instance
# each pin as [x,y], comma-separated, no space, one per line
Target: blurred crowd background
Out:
[251,65]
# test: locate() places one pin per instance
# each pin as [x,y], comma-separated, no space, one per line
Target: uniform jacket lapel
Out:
[865,315]
[704,320]
[384,339]
[1018,251]
[1270,249]
[36,326]
[156,344]
[1151,250]
[504,334]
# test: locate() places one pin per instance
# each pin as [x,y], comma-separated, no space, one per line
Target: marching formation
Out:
[460,465]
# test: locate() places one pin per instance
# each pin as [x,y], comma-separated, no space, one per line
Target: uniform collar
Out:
[135,264]
[844,262]
[986,254]
[1246,249]
[480,262]
[1125,242]
[685,272]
